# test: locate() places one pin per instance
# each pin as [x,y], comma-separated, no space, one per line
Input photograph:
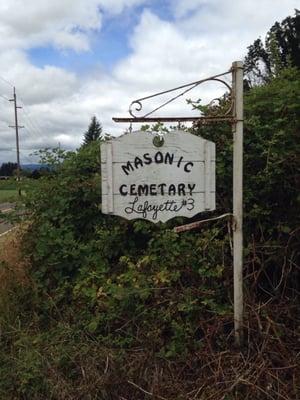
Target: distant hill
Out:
[32,167]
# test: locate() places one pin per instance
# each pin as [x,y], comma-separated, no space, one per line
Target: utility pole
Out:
[17,126]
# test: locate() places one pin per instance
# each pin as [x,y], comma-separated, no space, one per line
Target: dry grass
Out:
[268,367]
[12,263]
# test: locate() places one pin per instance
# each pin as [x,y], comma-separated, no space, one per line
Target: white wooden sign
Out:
[157,178]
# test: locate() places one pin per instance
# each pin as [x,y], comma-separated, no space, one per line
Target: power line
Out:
[33,128]
[3,97]
[27,158]
[17,126]
[8,83]
[33,122]
[31,135]
[33,131]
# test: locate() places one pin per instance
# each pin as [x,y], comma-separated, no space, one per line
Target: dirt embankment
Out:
[12,263]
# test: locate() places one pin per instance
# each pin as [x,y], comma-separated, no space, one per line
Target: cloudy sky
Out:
[72,59]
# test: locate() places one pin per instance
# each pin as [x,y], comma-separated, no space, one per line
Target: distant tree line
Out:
[8,168]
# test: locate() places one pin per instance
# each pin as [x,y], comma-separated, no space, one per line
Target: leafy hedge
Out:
[133,297]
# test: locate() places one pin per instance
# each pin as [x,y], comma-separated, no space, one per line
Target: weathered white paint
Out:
[237,68]
[188,161]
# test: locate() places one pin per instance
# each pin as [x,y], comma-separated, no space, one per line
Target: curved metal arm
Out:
[137,106]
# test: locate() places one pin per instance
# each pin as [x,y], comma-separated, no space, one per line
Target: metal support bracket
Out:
[213,115]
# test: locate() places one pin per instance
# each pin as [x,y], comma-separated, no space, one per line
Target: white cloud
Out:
[117,6]
[61,23]
[203,39]
[247,17]
[32,23]
[76,41]
[161,55]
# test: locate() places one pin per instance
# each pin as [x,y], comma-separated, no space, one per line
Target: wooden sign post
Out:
[157,178]
[237,86]
[165,190]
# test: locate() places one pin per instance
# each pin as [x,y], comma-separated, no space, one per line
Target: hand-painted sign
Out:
[157,177]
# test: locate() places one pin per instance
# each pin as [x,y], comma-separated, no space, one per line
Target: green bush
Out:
[138,295]
[117,268]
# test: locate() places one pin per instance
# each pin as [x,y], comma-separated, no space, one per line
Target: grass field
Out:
[10,184]
[9,190]
[9,195]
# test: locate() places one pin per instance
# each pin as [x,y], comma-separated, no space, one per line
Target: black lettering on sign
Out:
[161,187]
[147,158]
[190,204]
[153,189]
[133,190]
[159,158]
[128,167]
[191,187]
[169,158]
[179,161]
[181,189]
[144,208]
[138,162]
[188,164]
[172,190]
[123,190]
[143,190]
